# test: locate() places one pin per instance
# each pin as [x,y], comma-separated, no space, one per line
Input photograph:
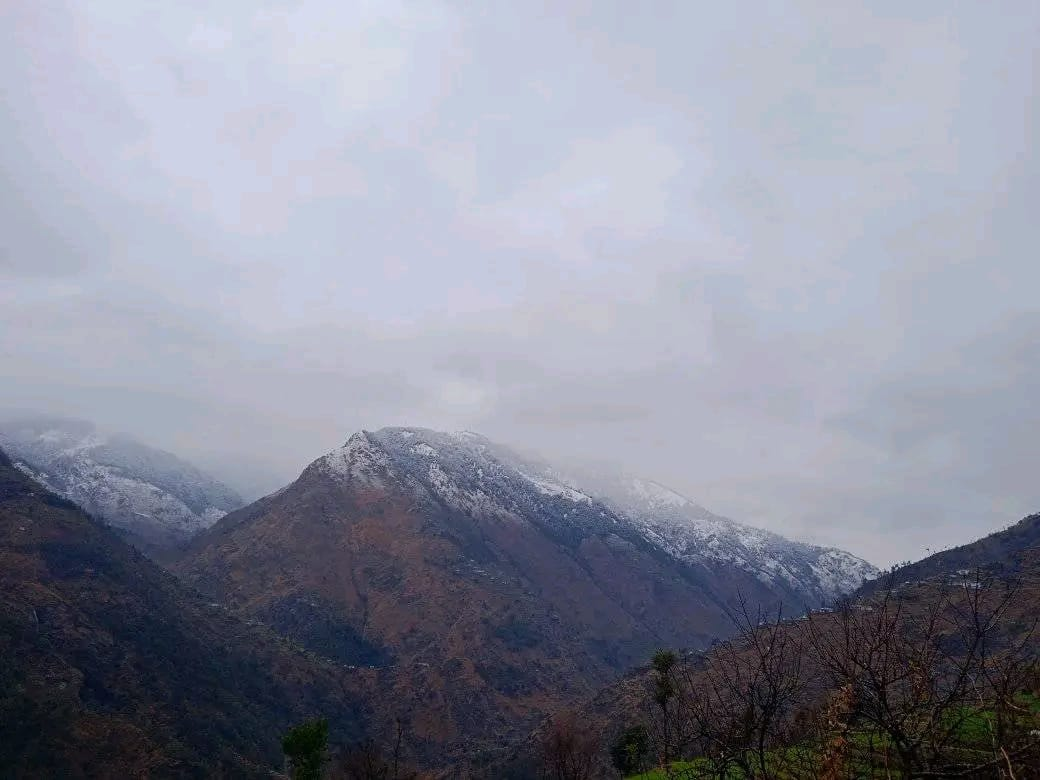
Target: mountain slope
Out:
[112,669]
[155,498]
[489,593]
[628,700]
[802,575]
[1001,551]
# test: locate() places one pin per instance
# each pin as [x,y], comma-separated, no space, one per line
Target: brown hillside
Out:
[112,669]
[485,609]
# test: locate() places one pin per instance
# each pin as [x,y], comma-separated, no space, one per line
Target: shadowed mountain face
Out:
[110,668]
[155,499]
[488,591]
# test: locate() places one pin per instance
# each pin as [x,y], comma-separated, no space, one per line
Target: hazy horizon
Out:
[255,479]
[780,257]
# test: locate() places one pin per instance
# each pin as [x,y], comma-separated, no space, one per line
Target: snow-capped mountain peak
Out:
[358,459]
[472,474]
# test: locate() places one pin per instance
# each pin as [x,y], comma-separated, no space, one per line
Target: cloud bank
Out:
[779,256]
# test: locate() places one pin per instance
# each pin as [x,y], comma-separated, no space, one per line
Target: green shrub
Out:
[306,747]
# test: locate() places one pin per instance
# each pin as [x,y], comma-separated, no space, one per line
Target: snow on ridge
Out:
[551,488]
[359,458]
[442,482]
[91,442]
[116,497]
[842,571]
[471,500]
[475,475]
[129,485]
[470,472]
[692,534]
[657,494]
[819,574]
[37,476]
[467,436]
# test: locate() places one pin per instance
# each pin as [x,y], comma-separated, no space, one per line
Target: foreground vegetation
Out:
[938,680]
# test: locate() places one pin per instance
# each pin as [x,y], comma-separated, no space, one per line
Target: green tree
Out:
[664,687]
[306,747]
[664,691]
[628,753]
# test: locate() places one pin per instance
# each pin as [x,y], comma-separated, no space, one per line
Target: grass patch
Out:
[661,774]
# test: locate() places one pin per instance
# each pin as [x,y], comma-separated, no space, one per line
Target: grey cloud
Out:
[780,257]
[579,414]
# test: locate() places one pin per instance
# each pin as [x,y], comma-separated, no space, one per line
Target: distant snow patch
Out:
[549,488]
[657,495]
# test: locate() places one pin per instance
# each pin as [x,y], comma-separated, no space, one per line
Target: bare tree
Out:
[743,700]
[368,761]
[925,670]
[730,707]
[933,680]
[569,750]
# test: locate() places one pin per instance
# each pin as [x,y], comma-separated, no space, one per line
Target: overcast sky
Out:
[781,256]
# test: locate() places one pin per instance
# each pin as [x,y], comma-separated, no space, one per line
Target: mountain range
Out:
[154,498]
[437,580]
[486,588]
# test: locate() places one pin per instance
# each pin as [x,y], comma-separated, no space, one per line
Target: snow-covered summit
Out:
[463,470]
[358,459]
[155,497]
[469,473]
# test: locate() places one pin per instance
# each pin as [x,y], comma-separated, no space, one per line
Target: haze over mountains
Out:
[157,499]
[162,500]
[691,533]
[728,304]
[471,590]
[484,588]
[436,578]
